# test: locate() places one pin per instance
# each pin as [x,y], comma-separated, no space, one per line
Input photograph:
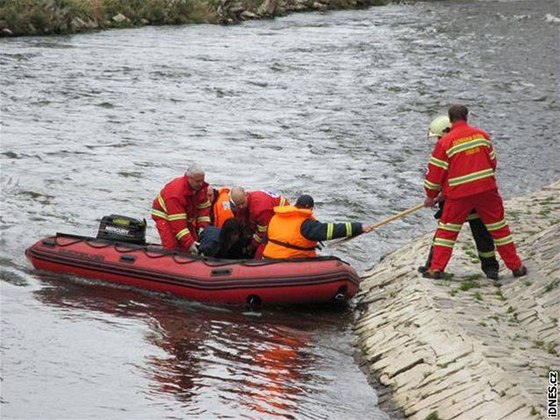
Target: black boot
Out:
[519,272]
[490,267]
[433,274]
[423,268]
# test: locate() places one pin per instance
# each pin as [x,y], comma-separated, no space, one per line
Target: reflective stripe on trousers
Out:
[489,207]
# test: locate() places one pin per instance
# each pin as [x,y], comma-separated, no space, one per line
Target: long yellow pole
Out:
[397,216]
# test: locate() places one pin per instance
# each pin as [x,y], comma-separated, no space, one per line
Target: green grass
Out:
[534,411]
[472,255]
[500,295]
[472,277]
[469,284]
[448,276]
[538,344]
[551,286]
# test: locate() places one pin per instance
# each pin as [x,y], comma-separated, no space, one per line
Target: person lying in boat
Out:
[293,231]
[255,209]
[229,242]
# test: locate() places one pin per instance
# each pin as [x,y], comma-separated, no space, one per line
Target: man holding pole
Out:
[293,231]
[482,238]
[462,167]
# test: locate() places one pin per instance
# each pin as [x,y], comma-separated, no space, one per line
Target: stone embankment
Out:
[468,347]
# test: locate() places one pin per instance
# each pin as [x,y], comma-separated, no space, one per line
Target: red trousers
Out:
[168,238]
[490,208]
[259,252]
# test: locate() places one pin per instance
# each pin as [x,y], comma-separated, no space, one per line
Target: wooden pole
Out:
[397,216]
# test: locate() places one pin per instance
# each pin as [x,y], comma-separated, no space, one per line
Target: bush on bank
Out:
[43,17]
[39,17]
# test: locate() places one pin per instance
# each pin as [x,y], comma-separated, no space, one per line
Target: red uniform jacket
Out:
[183,208]
[462,163]
[259,211]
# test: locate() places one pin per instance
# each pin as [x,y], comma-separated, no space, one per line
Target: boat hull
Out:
[320,280]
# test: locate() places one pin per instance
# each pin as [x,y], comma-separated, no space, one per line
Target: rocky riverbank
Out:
[468,347]
[44,17]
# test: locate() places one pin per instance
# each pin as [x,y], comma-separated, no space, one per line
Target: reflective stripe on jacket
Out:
[284,234]
[183,208]
[462,163]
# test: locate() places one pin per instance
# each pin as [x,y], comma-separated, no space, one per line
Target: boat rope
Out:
[177,256]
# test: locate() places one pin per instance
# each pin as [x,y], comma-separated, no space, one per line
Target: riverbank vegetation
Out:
[44,17]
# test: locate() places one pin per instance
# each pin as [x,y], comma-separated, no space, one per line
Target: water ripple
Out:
[335,105]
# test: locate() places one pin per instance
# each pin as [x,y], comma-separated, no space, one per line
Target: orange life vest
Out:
[222,209]
[284,234]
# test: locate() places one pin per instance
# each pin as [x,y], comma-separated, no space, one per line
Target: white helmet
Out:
[439,126]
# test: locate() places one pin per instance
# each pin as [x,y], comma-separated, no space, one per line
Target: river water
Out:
[334,104]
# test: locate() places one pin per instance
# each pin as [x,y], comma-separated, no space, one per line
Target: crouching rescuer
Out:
[293,231]
[181,209]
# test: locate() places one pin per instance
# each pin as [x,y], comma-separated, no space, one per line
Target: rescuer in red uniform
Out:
[181,209]
[462,167]
[255,209]
[294,232]
[482,238]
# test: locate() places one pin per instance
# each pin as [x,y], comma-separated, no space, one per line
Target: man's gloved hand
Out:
[194,248]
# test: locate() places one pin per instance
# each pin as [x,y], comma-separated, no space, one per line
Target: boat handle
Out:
[49,243]
[128,258]
[221,272]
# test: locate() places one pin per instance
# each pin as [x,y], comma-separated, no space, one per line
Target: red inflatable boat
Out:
[317,280]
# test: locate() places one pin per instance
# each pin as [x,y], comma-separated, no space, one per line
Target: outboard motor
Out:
[122,229]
